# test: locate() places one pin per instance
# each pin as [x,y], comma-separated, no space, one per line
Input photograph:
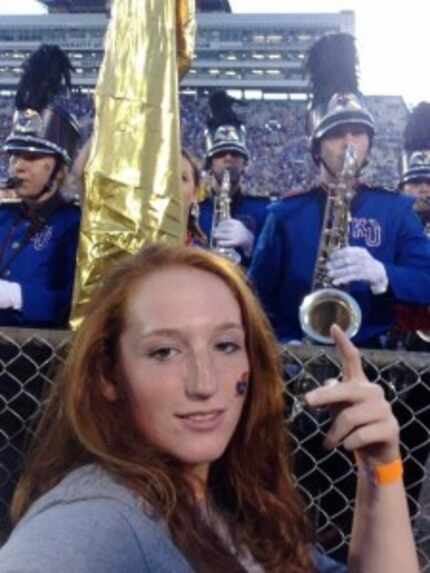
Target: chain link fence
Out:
[327,479]
[28,359]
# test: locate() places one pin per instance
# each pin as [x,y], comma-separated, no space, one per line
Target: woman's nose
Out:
[201,381]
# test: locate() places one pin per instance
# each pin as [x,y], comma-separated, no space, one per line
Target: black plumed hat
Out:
[225,130]
[41,124]
[332,66]
[416,154]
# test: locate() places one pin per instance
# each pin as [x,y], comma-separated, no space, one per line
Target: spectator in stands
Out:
[38,236]
[389,256]
[227,153]
[275,136]
[163,446]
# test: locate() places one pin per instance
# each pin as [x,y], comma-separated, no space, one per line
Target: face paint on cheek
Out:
[242,384]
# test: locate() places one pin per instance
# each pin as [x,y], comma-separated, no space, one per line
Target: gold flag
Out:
[132,175]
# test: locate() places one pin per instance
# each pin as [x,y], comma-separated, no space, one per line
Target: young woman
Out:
[163,447]
[190,183]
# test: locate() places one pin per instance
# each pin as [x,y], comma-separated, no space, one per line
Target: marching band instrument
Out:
[326,305]
[221,212]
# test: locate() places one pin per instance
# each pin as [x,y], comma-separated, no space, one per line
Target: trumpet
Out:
[326,305]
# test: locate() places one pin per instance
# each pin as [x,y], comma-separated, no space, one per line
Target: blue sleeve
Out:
[268,261]
[324,564]
[47,298]
[81,536]
[409,274]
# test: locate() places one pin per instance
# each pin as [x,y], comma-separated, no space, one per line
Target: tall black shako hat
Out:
[41,125]
[333,69]
[415,163]
[225,131]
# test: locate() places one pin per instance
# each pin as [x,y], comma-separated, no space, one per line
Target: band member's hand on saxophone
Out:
[230,233]
[357,264]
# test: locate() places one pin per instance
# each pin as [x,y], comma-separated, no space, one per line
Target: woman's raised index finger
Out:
[349,354]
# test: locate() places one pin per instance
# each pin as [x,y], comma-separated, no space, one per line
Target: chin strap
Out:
[334,175]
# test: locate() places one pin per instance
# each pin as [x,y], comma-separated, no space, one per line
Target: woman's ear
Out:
[109,389]
[110,376]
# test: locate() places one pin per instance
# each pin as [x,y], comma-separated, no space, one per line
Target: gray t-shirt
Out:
[90,523]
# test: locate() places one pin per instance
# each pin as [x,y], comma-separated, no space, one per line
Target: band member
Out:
[39,234]
[412,328]
[415,179]
[226,150]
[388,258]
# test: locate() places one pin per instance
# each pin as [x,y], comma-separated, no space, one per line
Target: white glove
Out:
[10,295]
[233,233]
[357,264]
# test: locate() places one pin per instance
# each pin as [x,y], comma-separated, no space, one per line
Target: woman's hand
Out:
[363,421]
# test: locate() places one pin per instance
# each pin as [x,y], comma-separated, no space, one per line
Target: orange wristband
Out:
[387,474]
[384,474]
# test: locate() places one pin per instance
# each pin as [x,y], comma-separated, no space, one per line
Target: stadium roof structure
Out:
[97,6]
[75,5]
[213,6]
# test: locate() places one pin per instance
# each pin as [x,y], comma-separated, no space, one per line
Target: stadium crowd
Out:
[279,162]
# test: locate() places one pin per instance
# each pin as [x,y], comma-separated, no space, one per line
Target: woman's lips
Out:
[202,421]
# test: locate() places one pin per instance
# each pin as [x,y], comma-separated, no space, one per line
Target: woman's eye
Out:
[162,354]
[228,347]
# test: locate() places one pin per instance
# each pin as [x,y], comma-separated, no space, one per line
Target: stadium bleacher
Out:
[276,138]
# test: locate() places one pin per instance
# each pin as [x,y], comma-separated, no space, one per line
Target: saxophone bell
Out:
[324,307]
[423,335]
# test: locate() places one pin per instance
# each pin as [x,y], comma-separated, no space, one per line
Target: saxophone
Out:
[221,212]
[326,304]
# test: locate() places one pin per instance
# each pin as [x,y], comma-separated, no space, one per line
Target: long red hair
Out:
[250,485]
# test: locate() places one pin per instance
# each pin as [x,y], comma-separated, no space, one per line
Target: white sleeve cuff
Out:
[15,294]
